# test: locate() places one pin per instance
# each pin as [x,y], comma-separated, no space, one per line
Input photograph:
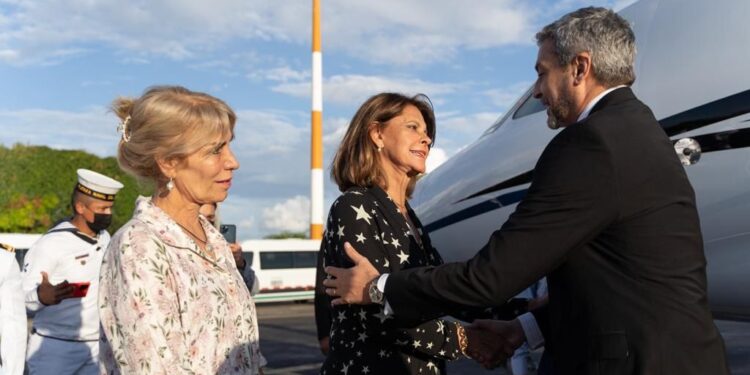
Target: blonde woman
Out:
[171,299]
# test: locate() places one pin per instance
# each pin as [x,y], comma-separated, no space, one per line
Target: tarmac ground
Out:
[289,342]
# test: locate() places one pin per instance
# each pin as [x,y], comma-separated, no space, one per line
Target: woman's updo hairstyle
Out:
[167,123]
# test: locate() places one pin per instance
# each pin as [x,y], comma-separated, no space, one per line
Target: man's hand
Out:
[491,342]
[487,348]
[350,284]
[237,254]
[52,294]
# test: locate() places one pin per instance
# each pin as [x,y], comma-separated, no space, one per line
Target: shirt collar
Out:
[167,230]
[592,103]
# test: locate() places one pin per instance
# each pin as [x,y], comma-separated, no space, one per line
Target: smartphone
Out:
[80,289]
[229,231]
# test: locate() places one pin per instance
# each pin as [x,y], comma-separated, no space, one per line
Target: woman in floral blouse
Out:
[171,298]
[376,165]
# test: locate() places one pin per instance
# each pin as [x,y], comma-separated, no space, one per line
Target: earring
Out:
[170,184]
[380,148]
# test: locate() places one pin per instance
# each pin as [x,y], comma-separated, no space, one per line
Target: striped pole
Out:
[316,149]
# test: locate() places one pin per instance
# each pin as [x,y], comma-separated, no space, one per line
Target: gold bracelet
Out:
[463,341]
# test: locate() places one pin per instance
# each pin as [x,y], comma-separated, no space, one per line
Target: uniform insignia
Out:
[7,248]
[82,259]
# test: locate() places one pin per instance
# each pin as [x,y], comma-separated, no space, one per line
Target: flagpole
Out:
[316,143]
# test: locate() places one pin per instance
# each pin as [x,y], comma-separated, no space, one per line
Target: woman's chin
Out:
[220,197]
[415,172]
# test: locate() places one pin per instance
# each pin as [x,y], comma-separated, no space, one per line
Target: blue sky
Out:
[63,62]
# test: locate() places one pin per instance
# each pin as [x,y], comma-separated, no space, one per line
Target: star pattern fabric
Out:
[362,338]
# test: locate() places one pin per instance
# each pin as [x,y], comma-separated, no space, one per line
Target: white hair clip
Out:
[123,128]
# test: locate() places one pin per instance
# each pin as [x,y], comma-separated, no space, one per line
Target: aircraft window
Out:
[530,106]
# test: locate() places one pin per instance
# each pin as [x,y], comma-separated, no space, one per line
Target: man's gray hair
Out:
[601,32]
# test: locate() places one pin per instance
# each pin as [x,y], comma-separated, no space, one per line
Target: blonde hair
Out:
[356,162]
[168,123]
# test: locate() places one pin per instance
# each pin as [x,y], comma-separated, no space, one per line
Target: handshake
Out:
[491,342]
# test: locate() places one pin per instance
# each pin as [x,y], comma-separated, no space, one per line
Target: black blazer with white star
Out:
[363,339]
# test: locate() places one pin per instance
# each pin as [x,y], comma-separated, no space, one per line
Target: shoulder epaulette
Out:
[7,248]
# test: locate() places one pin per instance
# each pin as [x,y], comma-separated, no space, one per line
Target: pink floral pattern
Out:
[167,308]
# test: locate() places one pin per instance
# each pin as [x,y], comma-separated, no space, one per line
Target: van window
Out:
[273,260]
[305,259]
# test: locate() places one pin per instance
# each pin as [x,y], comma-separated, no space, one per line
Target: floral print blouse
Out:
[166,307]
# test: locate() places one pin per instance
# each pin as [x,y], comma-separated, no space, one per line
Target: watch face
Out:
[375,295]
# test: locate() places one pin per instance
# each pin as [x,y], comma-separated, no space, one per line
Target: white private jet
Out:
[692,70]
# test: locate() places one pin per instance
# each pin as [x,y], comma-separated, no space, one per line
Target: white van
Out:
[21,241]
[285,268]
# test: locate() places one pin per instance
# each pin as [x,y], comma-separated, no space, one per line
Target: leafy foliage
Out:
[286,234]
[36,183]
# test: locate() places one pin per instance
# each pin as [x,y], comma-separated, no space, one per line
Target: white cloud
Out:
[272,147]
[290,215]
[437,157]
[622,4]
[456,130]
[41,29]
[281,74]
[385,31]
[473,124]
[93,130]
[334,130]
[244,213]
[504,98]
[354,88]
[422,32]
[260,133]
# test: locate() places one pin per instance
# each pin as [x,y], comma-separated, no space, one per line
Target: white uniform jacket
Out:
[65,254]
[12,317]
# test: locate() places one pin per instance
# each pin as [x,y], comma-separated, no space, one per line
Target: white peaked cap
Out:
[97,185]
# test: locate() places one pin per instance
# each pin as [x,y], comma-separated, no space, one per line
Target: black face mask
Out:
[101,222]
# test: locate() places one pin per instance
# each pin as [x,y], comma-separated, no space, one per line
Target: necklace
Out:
[192,234]
[401,207]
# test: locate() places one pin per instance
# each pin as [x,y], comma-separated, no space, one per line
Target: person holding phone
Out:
[229,231]
[171,300]
[60,282]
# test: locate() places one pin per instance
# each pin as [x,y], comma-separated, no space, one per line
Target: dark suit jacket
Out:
[610,218]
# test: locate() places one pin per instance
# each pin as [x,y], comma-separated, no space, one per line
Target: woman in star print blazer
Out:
[376,166]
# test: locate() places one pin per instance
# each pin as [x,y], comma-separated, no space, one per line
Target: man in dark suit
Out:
[610,218]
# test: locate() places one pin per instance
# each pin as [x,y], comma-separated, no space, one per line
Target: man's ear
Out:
[375,136]
[581,67]
[79,207]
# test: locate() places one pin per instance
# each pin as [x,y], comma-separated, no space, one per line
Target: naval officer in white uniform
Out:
[12,315]
[61,279]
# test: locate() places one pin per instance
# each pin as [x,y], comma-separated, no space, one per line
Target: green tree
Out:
[36,183]
[286,235]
